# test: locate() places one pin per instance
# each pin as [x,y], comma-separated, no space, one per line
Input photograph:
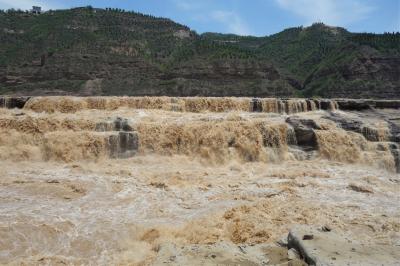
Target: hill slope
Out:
[86,51]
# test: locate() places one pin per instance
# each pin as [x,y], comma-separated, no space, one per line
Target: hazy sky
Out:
[250,17]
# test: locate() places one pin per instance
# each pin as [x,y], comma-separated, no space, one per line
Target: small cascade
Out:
[180,104]
[291,136]
[395,150]
[11,102]
[375,134]
[311,105]
[270,105]
[328,105]
[118,124]
[123,142]
[216,138]
[256,105]
[317,104]
[123,145]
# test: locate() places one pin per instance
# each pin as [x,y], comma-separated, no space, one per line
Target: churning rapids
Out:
[153,180]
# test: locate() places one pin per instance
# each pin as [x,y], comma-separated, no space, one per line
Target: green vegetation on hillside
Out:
[128,53]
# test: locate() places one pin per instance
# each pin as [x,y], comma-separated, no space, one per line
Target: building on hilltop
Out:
[36,10]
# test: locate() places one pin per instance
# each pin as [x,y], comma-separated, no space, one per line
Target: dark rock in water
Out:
[353,105]
[395,149]
[326,228]
[358,126]
[123,145]
[308,237]
[394,132]
[119,124]
[256,105]
[345,122]
[360,105]
[13,102]
[312,105]
[371,133]
[317,104]
[391,104]
[360,188]
[304,131]
[327,105]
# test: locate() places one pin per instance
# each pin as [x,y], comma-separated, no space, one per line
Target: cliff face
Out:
[86,51]
[368,75]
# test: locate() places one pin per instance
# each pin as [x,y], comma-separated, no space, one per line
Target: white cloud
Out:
[202,12]
[186,5]
[27,4]
[333,12]
[232,21]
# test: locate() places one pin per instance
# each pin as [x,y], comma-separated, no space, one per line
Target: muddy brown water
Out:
[202,176]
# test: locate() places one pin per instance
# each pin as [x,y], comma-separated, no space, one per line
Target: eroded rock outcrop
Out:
[360,104]
[319,246]
[304,132]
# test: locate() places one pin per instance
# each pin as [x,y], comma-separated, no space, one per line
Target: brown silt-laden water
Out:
[153,180]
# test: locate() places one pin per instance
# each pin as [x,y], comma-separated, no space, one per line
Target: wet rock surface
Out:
[375,125]
[12,102]
[359,104]
[225,253]
[304,131]
[395,149]
[330,248]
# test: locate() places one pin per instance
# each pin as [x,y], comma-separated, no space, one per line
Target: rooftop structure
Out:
[36,10]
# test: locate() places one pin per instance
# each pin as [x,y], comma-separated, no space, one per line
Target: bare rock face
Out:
[304,131]
[387,104]
[226,253]
[325,247]
[357,105]
[360,104]
[361,126]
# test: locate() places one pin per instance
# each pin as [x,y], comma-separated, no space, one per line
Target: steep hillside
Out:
[87,51]
[332,62]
